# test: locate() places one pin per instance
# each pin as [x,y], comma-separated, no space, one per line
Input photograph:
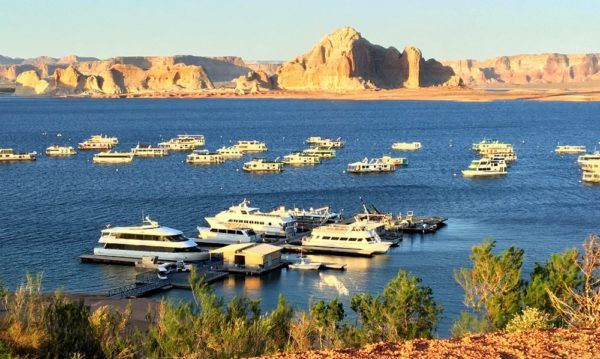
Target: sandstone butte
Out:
[554,343]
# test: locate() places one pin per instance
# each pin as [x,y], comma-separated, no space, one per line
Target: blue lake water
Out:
[52,210]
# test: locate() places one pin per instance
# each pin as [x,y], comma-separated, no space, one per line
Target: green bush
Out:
[530,318]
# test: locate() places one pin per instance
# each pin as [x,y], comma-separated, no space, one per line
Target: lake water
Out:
[52,210]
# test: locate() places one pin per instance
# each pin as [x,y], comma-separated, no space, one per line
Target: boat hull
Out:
[164,256]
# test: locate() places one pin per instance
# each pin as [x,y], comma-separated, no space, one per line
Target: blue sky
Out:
[278,30]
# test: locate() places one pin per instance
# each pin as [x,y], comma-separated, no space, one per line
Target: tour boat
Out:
[375,165]
[321,152]
[396,161]
[204,157]
[568,149]
[486,167]
[588,157]
[146,150]
[110,157]
[230,152]
[354,239]
[325,142]
[60,151]
[251,146]
[98,142]
[263,165]
[300,159]
[9,155]
[184,143]
[148,240]
[270,225]
[406,146]
[591,176]
[220,233]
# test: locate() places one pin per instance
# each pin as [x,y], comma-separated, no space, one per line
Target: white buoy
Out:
[454,174]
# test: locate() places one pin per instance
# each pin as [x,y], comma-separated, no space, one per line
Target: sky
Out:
[281,30]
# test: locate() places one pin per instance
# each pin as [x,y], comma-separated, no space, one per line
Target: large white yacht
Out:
[184,142]
[60,151]
[270,225]
[251,146]
[263,165]
[486,167]
[353,239]
[9,155]
[146,150]
[110,157]
[375,165]
[148,240]
[325,142]
[204,157]
[301,159]
[224,234]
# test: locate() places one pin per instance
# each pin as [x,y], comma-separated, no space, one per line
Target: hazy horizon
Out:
[267,31]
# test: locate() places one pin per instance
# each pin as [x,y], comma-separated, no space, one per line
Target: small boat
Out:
[588,157]
[146,150]
[9,155]
[321,152]
[184,143]
[406,146]
[98,142]
[325,142]
[396,161]
[230,152]
[568,149]
[263,165]
[300,159]
[375,165]
[110,157]
[591,176]
[60,151]
[486,167]
[204,157]
[305,264]
[251,146]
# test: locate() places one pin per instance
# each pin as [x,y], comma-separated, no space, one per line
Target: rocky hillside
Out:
[528,69]
[344,60]
[557,343]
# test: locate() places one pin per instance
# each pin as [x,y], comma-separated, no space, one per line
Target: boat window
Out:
[352,239]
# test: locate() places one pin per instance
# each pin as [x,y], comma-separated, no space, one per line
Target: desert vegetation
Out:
[564,292]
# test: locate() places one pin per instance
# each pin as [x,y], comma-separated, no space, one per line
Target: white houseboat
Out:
[486,167]
[148,240]
[110,157]
[204,157]
[9,155]
[98,142]
[146,150]
[184,143]
[568,149]
[375,165]
[263,165]
[591,176]
[325,142]
[350,239]
[300,159]
[321,152]
[60,151]
[230,152]
[406,146]
[251,146]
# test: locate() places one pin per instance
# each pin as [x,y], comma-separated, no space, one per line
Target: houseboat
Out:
[406,146]
[591,176]
[375,165]
[321,152]
[590,165]
[263,165]
[268,225]
[204,157]
[396,161]
[60,151]
[110,157]
[98,142]
[184,143]
[300,159]
[588,157]
[349,239]
[486,167]
[325,142]
[148,240]
[251,146]
[506,153]
[9,155]
[568,149]
[146,150]
[230,152]
[486,144]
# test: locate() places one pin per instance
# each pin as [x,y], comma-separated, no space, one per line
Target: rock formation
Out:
[30,83]
[344,61]
[253,82]
[529,69]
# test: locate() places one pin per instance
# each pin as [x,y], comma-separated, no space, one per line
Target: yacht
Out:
[60,151]
[325,142]
[184,143]
[307,219]
[396,161]
[321,152]
[508,154]
[406,146]
[204,157]
[375,165]
[486,167]
[263,165]
[486,144]
[113,157]
[300,159]
[269,225]
[9,155]
[251,146]
[353,239]
[98,142]
[146,150]
[591,176]
[230,152]
[222,234]
[148,240]
[567,149]
[588,157]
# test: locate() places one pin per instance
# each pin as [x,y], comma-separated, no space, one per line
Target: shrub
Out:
[469,323]
[530,318]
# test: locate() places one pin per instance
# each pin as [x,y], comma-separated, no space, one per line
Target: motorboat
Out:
[9,155]
[204,157]
[148,240]
[263,165]
[146,150]
[111,157]
[300,159]
[305,264]
[60,151]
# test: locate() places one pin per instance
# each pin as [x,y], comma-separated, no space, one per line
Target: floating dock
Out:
[92,258]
